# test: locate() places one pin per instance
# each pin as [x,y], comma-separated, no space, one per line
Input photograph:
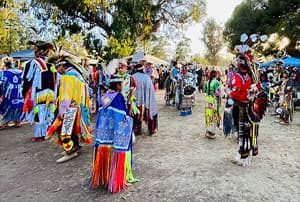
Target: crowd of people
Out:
[57,96]
[246,90]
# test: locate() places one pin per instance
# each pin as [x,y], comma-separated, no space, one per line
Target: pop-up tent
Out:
[288,61]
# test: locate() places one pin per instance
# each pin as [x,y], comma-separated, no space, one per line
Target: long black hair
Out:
[113,84]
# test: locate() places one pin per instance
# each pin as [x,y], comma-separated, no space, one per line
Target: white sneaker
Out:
[67,157]
[236,134]
[236,159]
[244,162]
[241,162]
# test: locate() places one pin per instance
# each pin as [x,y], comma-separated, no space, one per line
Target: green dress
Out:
[212,106]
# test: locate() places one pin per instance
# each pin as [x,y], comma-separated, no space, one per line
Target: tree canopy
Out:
[266,17]
[123,23]
[11,35]
[212,38]
[183,49]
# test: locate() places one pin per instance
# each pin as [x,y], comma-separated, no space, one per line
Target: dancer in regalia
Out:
[38,90]
[112,159]
[128,86]
[73,113]
[11,94]
[213,105]
[146,101]
[252,102]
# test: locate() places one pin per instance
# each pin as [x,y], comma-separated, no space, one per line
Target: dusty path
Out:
[179,164]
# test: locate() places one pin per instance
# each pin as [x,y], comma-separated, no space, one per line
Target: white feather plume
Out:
[112,66]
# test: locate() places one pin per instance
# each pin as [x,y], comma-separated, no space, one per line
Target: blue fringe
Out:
[45,119]
[13,115]
[40,129]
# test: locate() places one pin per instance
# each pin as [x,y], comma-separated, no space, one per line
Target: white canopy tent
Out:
[149,58]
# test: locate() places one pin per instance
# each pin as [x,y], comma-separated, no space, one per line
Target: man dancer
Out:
[11,94]
[73,118]
[286,86]
[38,90]
[146,101]
[240,86]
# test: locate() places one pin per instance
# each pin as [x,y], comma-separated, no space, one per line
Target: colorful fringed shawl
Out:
[112,153]
[11,91]
[38,91]
[73,92]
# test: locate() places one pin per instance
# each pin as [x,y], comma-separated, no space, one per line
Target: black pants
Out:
[248,133]
[235,116]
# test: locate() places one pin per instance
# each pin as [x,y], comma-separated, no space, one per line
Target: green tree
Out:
[158,47]
[183,49]
[73,43]
[266,17]
[129,22]
[197,58]
[10,30]
[212,38]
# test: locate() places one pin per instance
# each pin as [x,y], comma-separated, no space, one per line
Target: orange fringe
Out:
[101,168]
[53,128]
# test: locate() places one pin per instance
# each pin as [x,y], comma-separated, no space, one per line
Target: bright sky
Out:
[221,11]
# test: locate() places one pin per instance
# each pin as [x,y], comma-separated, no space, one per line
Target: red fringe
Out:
[101,166]
[88,141]
[117,174]
[77,128]
[28,103]
[109,169]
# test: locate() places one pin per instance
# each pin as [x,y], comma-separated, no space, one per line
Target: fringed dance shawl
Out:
[145,93]
[38,87]
[112,160]
[73,92]
[11,90]
[73,88]
[114,126]
[146,101]
[38,76]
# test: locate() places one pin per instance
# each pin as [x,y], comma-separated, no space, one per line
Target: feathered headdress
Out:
[46,47]
[113,65]
[58,58]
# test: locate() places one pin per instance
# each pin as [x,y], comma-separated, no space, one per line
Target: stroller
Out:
[188,92]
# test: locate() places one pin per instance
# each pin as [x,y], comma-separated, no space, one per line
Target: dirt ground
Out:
[179,164]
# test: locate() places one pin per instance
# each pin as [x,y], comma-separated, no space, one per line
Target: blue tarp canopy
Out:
[23,55]
[29,54]
[288,61]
